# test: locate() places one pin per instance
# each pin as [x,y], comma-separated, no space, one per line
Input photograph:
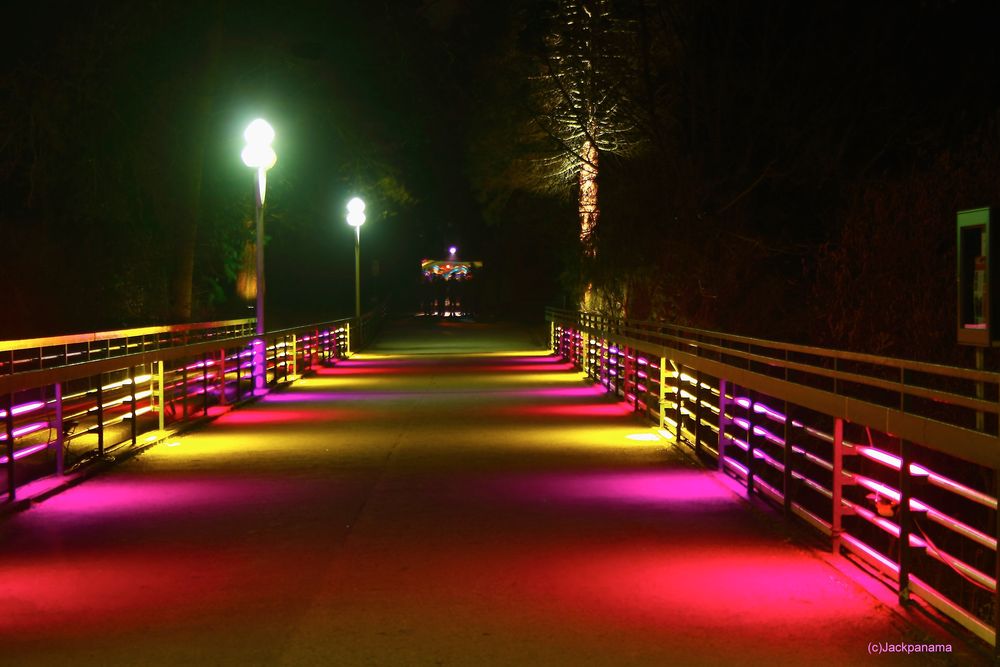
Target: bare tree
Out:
[582,100]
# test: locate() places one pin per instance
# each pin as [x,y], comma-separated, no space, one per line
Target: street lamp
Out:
[452,250]
[259,155]
[356,218]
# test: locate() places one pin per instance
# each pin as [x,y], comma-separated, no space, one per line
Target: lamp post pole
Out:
[259,229]
[356,218]
[357,272]
[259,155]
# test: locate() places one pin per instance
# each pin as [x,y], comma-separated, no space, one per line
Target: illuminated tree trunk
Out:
[589,210]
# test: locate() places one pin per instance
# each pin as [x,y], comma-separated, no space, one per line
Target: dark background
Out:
[795,169]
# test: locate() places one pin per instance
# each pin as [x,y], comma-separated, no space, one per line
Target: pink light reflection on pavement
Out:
[261,417]
[672,487]
[588,391]
[427,369]
[586,410]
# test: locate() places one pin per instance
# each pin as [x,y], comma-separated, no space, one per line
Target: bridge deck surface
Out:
[454,496]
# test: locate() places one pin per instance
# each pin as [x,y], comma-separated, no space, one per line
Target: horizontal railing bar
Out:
[957,441]
[71,339]
[890,362]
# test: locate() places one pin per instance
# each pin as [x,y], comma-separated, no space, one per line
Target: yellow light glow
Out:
[666,434]
[643,437]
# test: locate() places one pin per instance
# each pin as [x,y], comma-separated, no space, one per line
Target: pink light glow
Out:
[613,488]
[22,408]
[760,408]
[590,410]
[25,430]
[742,402]
[757,430]
[739,443]
[27,451]
[892,461]
[878,487]
[736,464]
[268,416]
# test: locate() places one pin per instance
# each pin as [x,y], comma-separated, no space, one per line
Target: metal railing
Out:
[67,401]
[895,461]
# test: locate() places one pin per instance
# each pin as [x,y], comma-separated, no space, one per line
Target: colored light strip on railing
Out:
[23,408]
[27,451]
[760,408]
[891,460]
[24,430]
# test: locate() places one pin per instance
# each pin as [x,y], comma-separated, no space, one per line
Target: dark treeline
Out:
[124,201]
[781,169]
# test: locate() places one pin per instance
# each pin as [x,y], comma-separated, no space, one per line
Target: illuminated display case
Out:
[976,296]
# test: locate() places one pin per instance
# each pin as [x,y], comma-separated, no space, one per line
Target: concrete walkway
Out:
[453,497]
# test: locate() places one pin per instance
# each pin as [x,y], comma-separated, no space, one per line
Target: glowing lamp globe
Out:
[259,157]
[258,152]
[356,212]
[259,132]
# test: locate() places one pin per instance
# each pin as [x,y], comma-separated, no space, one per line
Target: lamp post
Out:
[259,155]
[356,218]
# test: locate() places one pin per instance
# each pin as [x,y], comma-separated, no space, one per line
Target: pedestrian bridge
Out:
[599,492]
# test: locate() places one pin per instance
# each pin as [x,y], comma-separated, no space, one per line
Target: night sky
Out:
[768,136]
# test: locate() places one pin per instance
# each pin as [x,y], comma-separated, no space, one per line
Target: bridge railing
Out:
[68,401]
[895,461]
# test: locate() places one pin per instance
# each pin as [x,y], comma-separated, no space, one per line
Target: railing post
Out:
[204,384]
[100,415]
[905,522]
[295,355]
[697,414]
[552,336]
[184,389]
[348,339]
[996,571]
[663,393]
[751,401]
[678,402]
[274,358]
[239,375]
[9,429]
[160,394]
[222,376]
[722,424]
[787,459]
[134,425]
[837,514]
[60,434]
